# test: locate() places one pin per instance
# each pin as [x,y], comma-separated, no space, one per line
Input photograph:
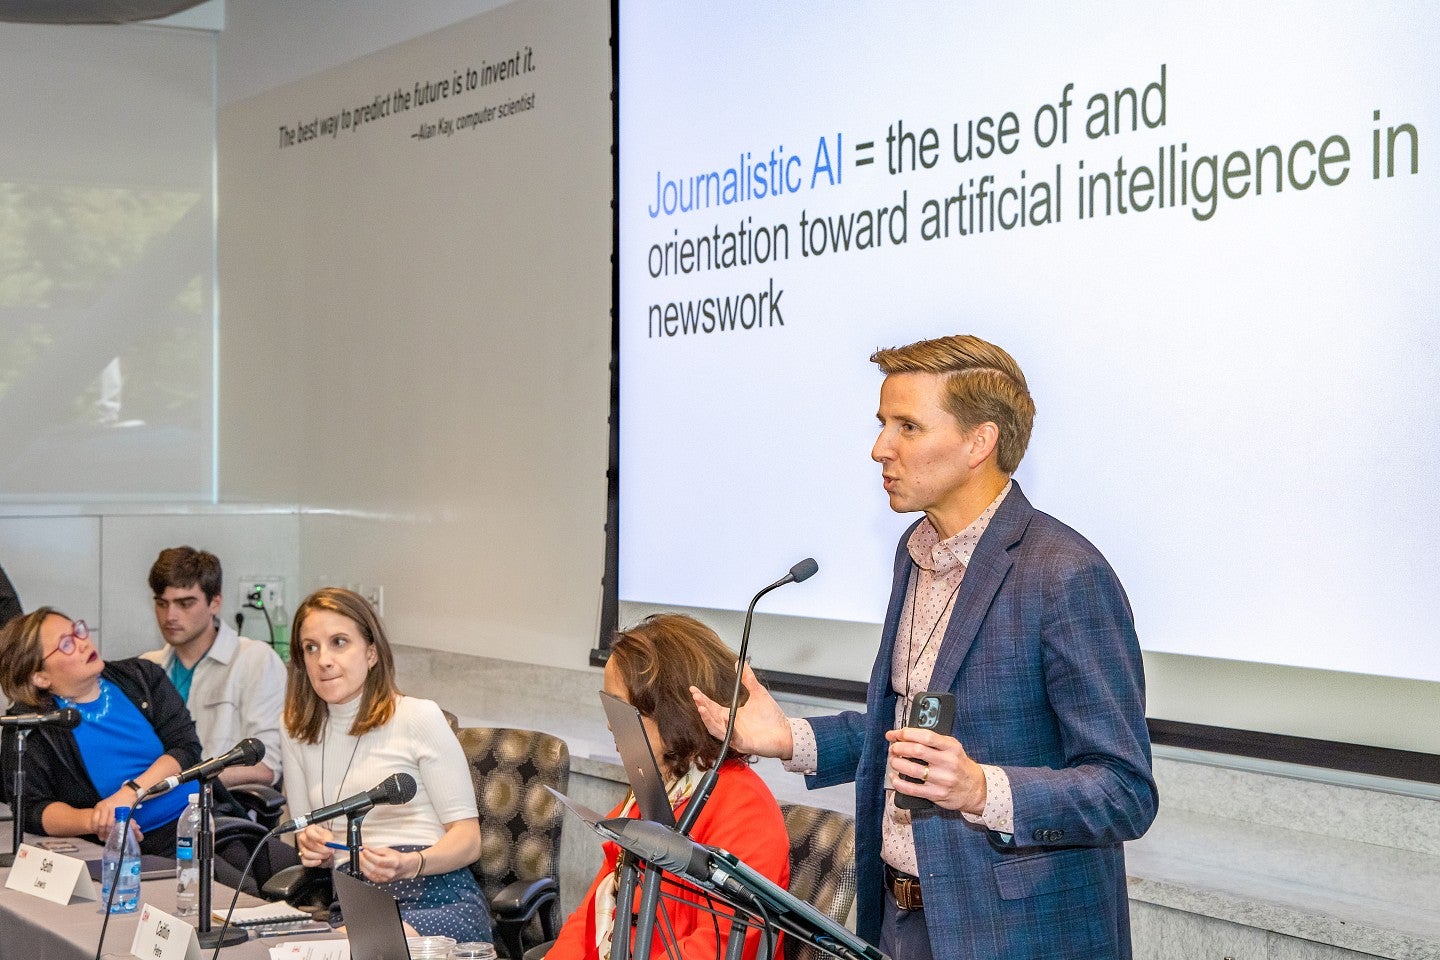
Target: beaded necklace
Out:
[85,710]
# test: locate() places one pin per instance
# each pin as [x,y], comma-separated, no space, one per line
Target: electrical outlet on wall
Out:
[262,593]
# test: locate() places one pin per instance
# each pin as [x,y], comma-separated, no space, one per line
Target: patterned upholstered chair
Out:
[519,829]
[451,719]
[822,866]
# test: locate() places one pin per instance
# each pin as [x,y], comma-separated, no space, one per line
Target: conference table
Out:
[35,929]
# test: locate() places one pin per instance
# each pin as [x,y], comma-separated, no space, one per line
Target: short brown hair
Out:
[983,384]
[22,655]
[185,567]
[658,660]
[305,712]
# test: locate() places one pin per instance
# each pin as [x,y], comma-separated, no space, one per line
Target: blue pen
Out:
[337,846]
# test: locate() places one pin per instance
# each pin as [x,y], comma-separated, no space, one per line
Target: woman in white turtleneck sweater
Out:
[347,728]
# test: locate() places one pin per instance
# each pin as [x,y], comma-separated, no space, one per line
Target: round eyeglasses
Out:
[78,631]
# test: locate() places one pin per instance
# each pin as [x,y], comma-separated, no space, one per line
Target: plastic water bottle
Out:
[280,632]
[187,869]
[121,845]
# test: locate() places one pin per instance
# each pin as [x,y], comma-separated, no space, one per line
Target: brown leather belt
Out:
[904,888]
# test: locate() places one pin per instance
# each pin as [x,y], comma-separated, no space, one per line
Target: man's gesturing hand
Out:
[761,727]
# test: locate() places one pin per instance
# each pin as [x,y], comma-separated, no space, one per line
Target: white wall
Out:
[415,336]
[441,434]
[54,561]
[106,263]
[269,43]
[92,561]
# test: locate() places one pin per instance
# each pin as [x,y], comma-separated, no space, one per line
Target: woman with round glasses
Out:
[134,732]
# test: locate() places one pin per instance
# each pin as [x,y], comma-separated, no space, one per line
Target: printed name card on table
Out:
[163,937]
[50,876]
[312,950]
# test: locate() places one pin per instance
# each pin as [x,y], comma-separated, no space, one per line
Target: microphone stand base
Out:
[210,939]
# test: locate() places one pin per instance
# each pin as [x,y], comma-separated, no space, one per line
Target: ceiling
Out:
[90,11]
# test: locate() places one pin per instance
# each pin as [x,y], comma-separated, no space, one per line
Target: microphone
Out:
[803,570]
[712,869]
[67,719]
[396,788]
[246,752]
[663,847]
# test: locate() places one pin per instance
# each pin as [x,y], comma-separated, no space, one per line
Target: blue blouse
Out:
[117,744]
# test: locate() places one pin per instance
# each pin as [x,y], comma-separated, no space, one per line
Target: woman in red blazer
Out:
[652,666]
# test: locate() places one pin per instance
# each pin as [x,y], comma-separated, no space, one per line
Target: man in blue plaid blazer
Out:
[1046,770]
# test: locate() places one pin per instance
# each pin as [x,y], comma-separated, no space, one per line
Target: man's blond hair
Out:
[983,384]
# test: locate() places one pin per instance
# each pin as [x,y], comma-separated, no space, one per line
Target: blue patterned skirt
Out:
[443,905]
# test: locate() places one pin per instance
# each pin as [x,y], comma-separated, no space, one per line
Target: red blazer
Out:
[741,817]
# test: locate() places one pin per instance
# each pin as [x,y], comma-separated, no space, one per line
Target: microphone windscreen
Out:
[396,788]
[252,751]
[805,569]
[69,719]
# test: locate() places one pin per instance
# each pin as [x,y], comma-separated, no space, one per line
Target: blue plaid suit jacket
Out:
[1043,660]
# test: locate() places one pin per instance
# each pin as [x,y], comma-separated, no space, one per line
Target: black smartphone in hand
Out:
[931,710]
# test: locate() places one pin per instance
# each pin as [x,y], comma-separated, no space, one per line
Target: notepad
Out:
[263,913]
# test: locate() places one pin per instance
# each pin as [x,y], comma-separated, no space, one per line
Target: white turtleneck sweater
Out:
[417,741]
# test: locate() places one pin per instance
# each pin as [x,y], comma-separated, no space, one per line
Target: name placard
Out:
[50,876]
[163,937]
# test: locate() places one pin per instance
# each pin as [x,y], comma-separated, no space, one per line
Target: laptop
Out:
[151,868]
[639,759]
[372,920]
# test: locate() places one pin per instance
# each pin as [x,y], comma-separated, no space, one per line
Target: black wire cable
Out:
[269,624]
[767,932]
[255,600]
[668,940]
[235,898]
[714,914]
[115,883]
[678,886]
[754,914]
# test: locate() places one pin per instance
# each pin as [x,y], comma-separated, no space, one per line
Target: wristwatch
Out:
[134,786]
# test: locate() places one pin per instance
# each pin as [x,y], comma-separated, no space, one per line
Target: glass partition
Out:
[107,253]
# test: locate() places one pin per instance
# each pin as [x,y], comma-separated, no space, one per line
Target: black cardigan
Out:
[54,769]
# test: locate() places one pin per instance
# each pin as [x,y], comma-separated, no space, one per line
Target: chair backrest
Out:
[519,819]
[822,866]
[235,840]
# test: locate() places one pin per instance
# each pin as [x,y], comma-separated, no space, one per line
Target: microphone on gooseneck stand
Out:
[66,719]
[803,570]
[23,724]
[672,849]
[662,847]
[246,753]
[394,789]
